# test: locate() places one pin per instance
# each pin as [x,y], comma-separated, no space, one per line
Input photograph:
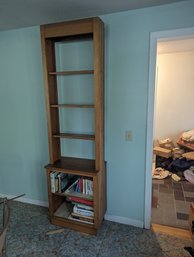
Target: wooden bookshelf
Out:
[60,204]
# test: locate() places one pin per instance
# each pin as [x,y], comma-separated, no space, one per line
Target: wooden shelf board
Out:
[75,136]
[72,105]
[67,223]
[74,165]
[71,72]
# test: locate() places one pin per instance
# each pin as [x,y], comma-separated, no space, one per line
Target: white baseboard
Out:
[123,220]
[118,219]
[26,200]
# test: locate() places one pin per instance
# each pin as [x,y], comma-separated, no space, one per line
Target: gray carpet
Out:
[29,223]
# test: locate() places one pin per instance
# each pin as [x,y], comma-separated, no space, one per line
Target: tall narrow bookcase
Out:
[72,55]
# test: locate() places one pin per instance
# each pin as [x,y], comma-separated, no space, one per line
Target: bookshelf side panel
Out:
[98,41]
[48,58]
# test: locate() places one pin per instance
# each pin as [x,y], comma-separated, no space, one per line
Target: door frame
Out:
[155,37]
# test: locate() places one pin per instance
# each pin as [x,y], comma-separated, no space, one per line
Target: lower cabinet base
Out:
[84,228]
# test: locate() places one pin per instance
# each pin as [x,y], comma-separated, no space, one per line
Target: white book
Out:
[83,206]
[91,187]
[82,211]
[52,178]
[84,186]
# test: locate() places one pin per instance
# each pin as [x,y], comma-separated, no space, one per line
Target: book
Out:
[76,215]
[82,211]
[81,219]
[83,206]
[81,200]
[63,181]
[89,187]
[56,182]
[52,179]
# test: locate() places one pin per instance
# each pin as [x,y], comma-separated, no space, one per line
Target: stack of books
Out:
[80,194]
[82,213]
[59,181]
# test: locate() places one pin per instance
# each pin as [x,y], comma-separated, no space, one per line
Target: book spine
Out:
[84,186]
[80,200]
[56,183]
[82,216]
[82,211]
[52,178]
[59,181]
[83,206]
[84,220]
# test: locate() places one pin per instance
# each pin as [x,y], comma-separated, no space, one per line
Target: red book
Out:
[81,184]
[81,200]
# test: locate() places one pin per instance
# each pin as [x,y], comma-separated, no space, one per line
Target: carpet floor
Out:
[27,238]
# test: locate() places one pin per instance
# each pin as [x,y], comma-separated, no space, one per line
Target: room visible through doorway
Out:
[172,188]
[169,185]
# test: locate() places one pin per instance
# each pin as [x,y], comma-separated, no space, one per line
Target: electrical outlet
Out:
[128,136]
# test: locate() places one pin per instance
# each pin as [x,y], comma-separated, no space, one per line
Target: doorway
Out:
[172,194]
[156,37]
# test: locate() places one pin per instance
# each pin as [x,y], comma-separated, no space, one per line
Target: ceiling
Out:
[172,46]
[25,13]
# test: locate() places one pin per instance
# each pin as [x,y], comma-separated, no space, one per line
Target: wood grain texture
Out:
[81,227]
[74,165]
[70,28]
[98,39]
[92,29]
[177,232]
[48,58]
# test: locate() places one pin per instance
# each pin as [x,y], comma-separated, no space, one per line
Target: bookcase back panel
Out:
[74,55]
[76,89]
[78,148]
[76,120]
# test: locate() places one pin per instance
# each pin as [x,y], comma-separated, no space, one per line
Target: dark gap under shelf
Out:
[71,72]
[77,38]
[72,105]
[75,136]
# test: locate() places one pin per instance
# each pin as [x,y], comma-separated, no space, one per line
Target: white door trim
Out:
[154,38]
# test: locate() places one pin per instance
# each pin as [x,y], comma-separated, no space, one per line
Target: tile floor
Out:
[171,202]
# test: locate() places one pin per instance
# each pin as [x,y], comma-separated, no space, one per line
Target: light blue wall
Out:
[76,55]
[23,139]
[127,64]
[23,131]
